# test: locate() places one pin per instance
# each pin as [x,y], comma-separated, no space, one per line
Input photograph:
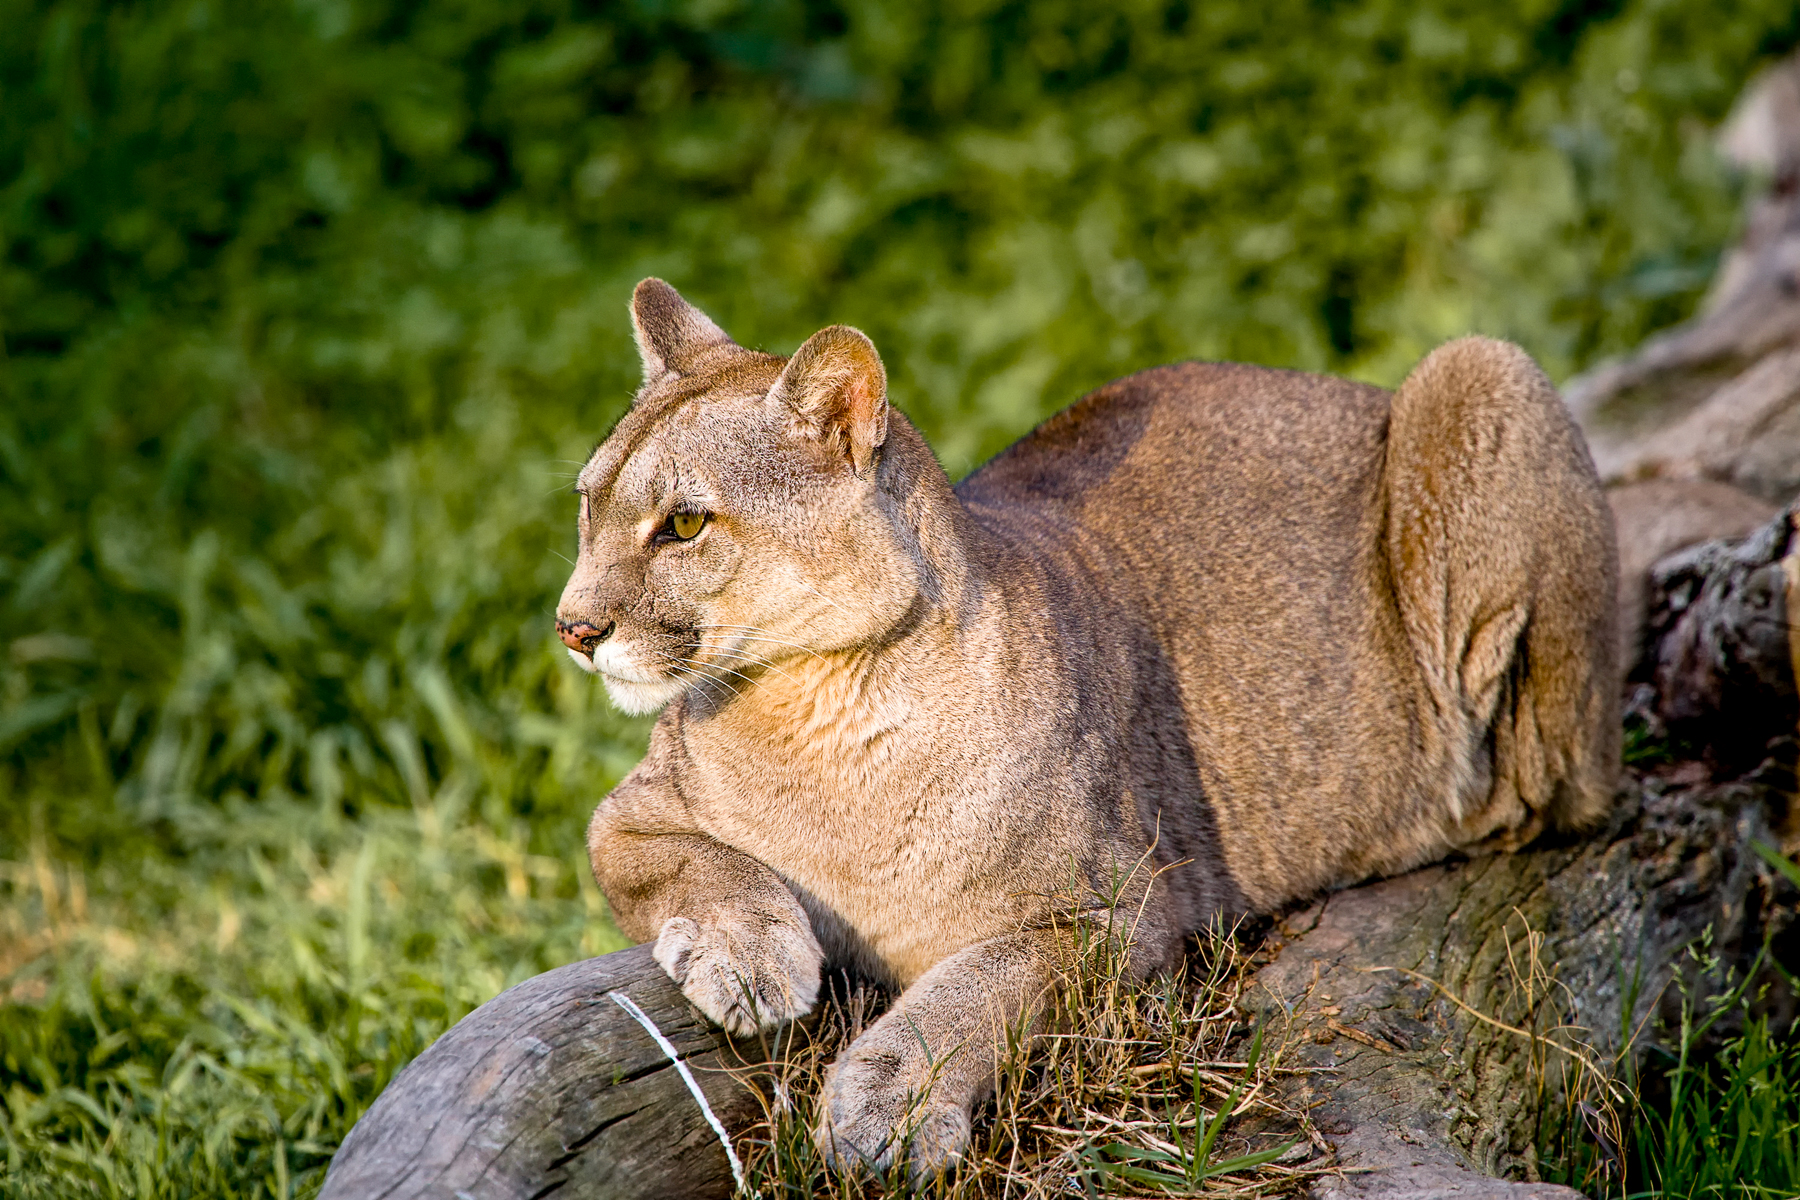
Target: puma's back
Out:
[1242,517]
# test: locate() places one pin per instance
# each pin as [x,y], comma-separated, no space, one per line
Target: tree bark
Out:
[555,1088]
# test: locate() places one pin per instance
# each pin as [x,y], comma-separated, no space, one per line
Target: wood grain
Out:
[552,1089]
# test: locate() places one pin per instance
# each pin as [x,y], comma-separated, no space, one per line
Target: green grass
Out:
[1730,1127]
[1707,1108]
[1721,1112]
[309,308]
[212,1025]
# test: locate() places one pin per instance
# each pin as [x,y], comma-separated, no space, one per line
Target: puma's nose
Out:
[582,636]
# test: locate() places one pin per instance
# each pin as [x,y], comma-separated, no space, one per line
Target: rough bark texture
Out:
[1723,622]
[553,1089]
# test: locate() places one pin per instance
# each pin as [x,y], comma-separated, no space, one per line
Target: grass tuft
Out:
[1133,1089]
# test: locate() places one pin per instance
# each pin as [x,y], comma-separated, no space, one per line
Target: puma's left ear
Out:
[835,390]
[671,333]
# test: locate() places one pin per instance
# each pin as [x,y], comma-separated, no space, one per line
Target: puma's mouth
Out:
[641,698]
[631,687]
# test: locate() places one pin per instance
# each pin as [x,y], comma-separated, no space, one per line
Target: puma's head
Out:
[740,513]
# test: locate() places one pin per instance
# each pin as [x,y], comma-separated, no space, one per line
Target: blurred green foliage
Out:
[309,309]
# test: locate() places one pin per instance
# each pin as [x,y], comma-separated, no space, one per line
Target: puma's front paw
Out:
[873,1106]
[743,974]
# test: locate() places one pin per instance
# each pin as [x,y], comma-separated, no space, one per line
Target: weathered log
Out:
[555,1088]
[1657,517]
[1719,397]
[1724,666]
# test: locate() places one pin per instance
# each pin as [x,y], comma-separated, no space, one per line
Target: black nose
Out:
[582,636]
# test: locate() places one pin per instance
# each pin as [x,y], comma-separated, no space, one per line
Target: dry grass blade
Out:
[1133,1089]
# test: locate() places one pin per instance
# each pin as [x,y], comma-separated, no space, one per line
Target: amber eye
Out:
[684,525]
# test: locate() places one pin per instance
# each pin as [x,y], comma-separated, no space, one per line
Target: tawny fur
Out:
[1214,638]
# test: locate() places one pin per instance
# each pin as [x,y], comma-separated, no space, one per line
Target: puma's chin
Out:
[638,693]
[641,698]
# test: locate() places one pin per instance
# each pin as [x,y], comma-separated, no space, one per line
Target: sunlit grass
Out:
[1723,1118]
[1728,1124]
[214,1026]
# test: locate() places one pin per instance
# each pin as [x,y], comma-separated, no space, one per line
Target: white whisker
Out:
[727,670]
[753,633]
[752,660]
[701,677]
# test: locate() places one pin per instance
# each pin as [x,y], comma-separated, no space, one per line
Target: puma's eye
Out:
[685,525]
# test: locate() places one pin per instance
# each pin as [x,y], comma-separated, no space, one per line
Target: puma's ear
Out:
[835,390]
[671,333]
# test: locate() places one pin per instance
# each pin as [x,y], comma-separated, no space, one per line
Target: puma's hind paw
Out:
[744,974]
[871,1112]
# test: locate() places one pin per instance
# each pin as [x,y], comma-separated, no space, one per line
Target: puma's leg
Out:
[1505,573]
[908,1085]
[727,930]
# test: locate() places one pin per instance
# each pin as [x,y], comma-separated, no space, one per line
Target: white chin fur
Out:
[640,698]
[636,696]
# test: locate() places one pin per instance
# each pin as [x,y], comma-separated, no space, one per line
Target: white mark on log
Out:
[625,1002]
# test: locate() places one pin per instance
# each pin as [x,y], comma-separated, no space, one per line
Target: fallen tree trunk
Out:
[555,1087]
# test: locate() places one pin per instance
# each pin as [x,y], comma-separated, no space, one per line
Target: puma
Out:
[1214,638]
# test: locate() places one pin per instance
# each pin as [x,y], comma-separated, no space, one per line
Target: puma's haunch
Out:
[1214,638]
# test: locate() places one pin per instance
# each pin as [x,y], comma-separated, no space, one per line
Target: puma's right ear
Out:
[835,391]
[671,333]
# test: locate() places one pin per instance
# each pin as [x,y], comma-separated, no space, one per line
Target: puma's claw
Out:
[744,976]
